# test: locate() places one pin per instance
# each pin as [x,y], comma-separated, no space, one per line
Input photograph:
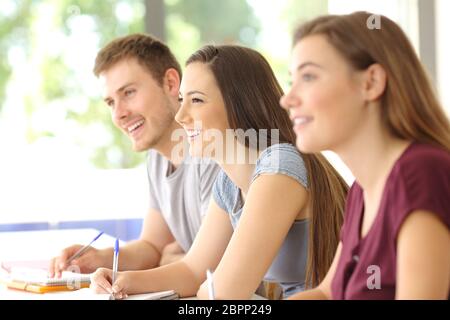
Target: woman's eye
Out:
[308,77]
[197,100]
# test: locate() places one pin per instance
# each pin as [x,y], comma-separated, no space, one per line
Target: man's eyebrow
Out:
[120,89]
[125,86]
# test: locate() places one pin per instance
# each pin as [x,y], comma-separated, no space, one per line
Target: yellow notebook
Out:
[36,280]
[37,288]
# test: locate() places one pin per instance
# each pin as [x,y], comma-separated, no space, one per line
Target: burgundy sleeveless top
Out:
[419,180]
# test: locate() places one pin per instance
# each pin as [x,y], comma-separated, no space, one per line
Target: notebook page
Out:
[153,295]
[81,294]
[89,294]
[39,276]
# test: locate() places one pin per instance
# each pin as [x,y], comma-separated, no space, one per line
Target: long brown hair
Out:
[251,94]
[410,109]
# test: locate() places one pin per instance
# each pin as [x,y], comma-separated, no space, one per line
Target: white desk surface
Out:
[43,245]
[83,294]
[40,247]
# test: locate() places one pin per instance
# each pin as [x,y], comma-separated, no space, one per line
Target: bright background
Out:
[63,164]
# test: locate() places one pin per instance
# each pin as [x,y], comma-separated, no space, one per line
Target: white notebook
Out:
[88,294]
[39,277]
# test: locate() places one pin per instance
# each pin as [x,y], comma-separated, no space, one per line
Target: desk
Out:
[43,245]
[8,294]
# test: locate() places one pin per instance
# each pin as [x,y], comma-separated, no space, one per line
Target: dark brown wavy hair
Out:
[251,95]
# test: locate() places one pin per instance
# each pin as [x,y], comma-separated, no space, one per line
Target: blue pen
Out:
[115,266]
[83,249]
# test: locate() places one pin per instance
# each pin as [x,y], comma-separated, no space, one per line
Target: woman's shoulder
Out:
[282,158]
[281,149]
[420,180]
[422,162]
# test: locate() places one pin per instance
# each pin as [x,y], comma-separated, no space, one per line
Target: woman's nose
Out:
[289,100]
[182,116]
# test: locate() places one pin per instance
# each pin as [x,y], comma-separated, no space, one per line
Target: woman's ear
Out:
[172,82]
[374,82]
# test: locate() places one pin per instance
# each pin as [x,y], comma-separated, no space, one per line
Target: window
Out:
[62,158]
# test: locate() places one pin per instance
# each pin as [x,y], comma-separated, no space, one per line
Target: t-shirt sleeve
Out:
[423,184]
[282,159]
[208,175]
[153,199]
[220,185]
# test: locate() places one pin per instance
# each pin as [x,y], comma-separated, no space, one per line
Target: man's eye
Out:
[129,92]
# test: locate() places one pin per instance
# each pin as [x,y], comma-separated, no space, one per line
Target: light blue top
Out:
[288,268]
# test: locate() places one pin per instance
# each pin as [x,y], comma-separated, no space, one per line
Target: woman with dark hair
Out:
[364,94]
[275,214]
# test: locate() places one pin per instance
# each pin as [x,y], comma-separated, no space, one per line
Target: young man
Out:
[141,78]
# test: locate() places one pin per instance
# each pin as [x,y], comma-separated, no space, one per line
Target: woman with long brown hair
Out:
[363,93]
[275,214]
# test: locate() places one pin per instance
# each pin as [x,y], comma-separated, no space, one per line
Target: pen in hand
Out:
[115,266]
[83,249]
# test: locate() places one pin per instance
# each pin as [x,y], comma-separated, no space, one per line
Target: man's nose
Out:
[121,111]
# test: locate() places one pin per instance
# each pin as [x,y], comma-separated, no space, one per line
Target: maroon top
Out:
[419,180]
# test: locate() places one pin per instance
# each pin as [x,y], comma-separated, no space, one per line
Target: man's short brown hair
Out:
[150,53]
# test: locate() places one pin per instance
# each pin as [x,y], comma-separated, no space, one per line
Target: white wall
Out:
[443,52]
[31,193]
[404,12]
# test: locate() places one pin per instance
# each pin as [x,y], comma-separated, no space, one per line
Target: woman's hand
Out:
[101,283]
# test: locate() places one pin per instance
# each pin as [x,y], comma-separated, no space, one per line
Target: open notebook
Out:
[88,294]
[36,280]
[71,286]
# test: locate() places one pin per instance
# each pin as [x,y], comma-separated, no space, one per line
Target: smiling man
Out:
[141,80]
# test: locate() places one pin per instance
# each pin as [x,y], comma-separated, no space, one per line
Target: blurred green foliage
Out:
[13,30]
[189,24]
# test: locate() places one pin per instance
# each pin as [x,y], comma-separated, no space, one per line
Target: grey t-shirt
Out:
[181,196]
[288,268]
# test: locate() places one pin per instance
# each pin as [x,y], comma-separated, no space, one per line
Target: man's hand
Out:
[86,263]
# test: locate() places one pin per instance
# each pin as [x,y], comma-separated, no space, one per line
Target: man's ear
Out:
[374,82]
[172,81]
